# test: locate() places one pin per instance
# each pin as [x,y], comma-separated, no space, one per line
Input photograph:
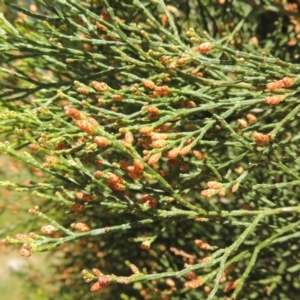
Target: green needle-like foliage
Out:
[167,137]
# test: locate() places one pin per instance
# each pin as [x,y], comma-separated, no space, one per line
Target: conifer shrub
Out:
[166,140]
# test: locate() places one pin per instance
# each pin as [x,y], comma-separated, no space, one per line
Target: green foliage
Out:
[168,143]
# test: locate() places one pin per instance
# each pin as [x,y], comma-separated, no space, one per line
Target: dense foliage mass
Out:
[168,140]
